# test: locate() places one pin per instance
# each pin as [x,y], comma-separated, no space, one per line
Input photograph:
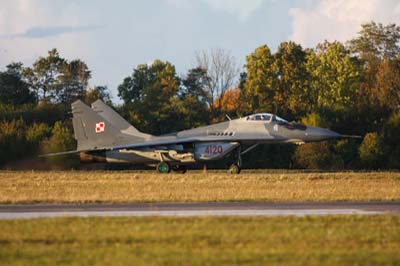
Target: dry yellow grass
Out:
[105,186]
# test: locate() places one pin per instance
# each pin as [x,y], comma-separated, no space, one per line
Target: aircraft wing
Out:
[160,142]
[154,143]
[157,143]
[131,146]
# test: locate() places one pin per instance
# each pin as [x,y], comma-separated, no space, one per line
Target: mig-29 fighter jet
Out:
[104,136]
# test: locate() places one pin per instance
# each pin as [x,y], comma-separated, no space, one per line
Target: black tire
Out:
[234,169]
[163,168]
[181,169]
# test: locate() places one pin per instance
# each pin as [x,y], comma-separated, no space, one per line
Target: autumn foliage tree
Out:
[229,102]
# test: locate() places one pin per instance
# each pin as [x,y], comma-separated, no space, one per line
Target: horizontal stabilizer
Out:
[59,153]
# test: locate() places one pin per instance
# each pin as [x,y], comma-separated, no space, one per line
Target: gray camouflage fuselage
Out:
[125,144]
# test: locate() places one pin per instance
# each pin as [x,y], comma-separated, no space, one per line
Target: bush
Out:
[35,134]
[42,113]
[317,155]
[12,140]
[347,149]
[391,140]
[314,119]
[61,140]
[371,151]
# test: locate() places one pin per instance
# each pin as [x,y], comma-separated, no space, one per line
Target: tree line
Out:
[351,87]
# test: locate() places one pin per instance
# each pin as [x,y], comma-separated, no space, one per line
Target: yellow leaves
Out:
[229,101]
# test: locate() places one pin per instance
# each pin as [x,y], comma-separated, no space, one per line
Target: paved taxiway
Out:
[198,209]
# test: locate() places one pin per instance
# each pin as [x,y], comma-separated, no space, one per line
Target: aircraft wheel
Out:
[181,169]
[234,169]
[163,168]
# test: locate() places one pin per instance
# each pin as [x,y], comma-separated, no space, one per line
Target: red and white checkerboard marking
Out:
[100,127]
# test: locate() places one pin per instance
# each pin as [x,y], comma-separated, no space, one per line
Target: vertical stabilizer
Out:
[116,120]
[93,131]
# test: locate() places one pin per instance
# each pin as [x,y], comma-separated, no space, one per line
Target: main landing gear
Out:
[180,169]
[164,168]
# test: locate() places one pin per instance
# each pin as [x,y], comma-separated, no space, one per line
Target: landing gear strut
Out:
[236,167]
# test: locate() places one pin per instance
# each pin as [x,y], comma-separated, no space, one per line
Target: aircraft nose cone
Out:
[317,134]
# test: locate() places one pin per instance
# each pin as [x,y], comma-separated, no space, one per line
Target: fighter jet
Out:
[104,136]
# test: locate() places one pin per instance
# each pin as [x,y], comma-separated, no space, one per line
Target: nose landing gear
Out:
[164,168]
[236,167]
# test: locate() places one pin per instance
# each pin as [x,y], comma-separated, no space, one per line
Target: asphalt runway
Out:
[26,211]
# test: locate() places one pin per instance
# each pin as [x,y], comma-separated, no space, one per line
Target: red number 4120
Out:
[213,149]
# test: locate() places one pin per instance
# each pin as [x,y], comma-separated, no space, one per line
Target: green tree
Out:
[378,46]
[391,140]
[15,68]
[376,41]
[98,93]
[258,90]
[334,76]
[386,91]
[195,83]
[150,97]
[291,90]
[74,77]
[371,151]
[13,90]
[193,99]
[61,139]
[43,75]
[57,80]
[347,149]
[132,88]
[317,155]
[12,140]
[35,134]
[189,112]
[316,120]
[156,101]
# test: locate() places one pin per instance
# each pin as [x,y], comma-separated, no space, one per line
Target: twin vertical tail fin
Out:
[118,122]
[102,128]
[91,130]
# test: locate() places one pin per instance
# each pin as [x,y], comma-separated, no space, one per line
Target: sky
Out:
[113,37]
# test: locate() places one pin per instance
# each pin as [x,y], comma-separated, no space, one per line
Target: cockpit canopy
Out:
[267,117]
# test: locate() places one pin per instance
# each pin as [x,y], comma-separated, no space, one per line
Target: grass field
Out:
[125,186]
[328,240]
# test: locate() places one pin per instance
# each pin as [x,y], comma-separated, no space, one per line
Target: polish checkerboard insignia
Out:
[100,127]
